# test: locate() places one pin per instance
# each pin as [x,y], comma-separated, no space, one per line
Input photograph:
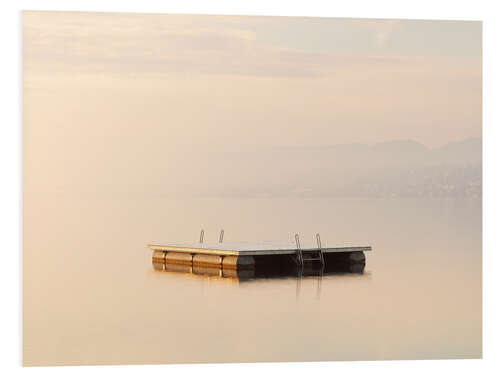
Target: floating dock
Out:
[244,256]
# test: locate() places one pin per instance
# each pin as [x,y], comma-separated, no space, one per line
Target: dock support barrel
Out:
[357,257]
[238,262]
[207,260]
[207,270]
[173,257]
[351,257]
[183,268]
[238,273]
[158,256]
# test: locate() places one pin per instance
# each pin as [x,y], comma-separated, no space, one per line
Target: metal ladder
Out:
[300,261]
[300,254]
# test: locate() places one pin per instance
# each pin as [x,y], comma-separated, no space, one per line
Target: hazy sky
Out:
[234,79]
[131,88]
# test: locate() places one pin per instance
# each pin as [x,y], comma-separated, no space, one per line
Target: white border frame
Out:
[11,152]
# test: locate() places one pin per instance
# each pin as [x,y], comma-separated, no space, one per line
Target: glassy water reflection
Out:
[91,295]
[267,272]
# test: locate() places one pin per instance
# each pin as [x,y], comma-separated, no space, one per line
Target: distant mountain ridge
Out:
[393,168]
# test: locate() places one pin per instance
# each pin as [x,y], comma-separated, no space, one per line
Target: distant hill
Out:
[468,151]
[395,168]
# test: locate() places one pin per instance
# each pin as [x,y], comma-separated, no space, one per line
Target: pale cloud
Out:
[77,43]
[135,48]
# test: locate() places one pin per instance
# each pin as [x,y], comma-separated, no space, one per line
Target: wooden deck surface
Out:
[245,248]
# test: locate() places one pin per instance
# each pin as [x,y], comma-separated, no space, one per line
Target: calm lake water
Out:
[91,295]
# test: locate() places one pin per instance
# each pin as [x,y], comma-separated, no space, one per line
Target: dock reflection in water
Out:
[286,270]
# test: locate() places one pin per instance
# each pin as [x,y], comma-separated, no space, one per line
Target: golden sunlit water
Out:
[92,296]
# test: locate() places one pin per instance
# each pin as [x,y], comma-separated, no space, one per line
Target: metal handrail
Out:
[299,251]
[320,249]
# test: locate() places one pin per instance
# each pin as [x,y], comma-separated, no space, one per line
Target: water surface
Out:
[92,296]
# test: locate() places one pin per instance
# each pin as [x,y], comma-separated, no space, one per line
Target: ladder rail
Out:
[299,251]
[320,249]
